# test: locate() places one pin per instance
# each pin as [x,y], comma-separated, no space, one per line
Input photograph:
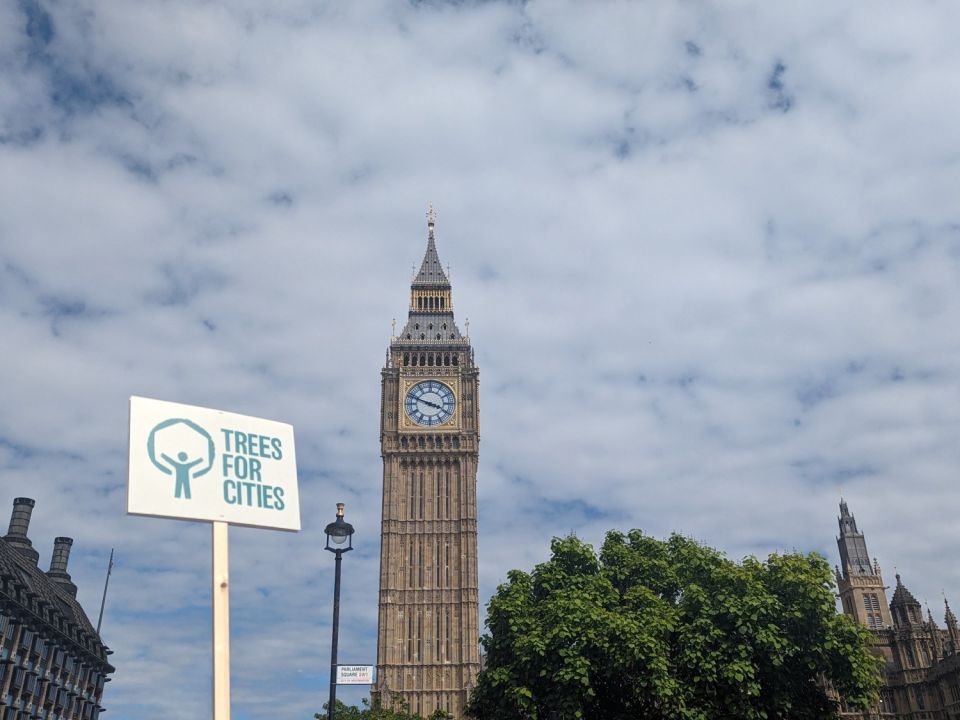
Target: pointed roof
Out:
[902,596]
[949,617]
[431,271]
[432,324]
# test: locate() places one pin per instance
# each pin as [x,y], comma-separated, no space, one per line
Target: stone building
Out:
[428,634]
[922,660]
[53,665]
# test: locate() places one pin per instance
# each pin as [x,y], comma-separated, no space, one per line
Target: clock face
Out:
[430,403]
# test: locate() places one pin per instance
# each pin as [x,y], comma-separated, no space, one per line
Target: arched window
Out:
[420,303]
[430,360]
[456,443]
[446,359]
[438,336]
[404,443]
[406,358]
[422,336]
[441,303]
[452,336]
[423,359]
[455,360]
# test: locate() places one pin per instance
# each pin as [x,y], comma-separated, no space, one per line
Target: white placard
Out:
[354,674]
[195,463]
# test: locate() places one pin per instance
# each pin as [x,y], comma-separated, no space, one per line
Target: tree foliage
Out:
[669,630]
[375,711]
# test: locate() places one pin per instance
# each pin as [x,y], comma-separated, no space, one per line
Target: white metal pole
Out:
[221,623]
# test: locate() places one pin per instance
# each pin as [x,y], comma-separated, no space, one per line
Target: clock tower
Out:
[428,630]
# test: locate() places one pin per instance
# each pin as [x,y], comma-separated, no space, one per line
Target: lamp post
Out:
[338,533]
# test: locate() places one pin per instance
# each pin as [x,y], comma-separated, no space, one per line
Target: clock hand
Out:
[431,404]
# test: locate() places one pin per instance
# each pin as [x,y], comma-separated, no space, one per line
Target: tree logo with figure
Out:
[182,448]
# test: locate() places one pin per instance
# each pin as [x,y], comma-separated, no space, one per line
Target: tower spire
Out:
[859,581]
[953,632]
[431,271]
[430,316]
[854,558]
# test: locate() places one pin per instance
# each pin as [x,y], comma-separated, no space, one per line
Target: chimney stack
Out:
[58,565]
[19,524]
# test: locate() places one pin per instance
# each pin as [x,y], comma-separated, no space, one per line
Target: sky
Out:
[709,254]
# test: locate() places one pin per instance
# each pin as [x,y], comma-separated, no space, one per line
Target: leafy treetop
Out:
[670,630]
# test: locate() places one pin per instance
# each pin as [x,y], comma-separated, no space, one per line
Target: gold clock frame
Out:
[408,425]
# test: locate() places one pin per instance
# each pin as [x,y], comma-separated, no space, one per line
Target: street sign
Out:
[354,674]
[195,463]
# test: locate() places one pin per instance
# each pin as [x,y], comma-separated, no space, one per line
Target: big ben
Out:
[428,634]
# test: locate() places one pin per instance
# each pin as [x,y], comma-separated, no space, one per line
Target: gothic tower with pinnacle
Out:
[428,634]
[859,581]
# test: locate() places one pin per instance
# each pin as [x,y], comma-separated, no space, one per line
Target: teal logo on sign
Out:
[182,448]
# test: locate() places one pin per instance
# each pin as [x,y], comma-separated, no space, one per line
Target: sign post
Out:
[194,463]
[221,622]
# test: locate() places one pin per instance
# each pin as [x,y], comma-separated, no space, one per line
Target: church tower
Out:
[428,634]
[858,580]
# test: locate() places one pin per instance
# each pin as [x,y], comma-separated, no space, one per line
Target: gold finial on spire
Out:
[431,215]
[393,327]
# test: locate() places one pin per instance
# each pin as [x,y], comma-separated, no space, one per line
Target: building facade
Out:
[428,633]
[53,665]
[921,659]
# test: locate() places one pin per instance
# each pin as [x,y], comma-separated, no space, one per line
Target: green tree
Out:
[375,711]
[344,712]
[669,630]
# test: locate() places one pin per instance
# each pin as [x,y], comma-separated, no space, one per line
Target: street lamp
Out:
[338,533]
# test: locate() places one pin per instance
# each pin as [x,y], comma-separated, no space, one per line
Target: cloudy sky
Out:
[710,255]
